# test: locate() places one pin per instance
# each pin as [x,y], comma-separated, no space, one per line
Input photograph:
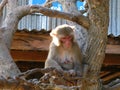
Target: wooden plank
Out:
[104,73]
[40,40]
[35,56]
[40,56]
[113,49]
[112,59]
[110,77]
[25,40]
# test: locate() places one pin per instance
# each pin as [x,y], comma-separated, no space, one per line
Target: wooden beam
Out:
[34,56]
[40,40]
[110,77]
[112,59]
[40,56]
[113,49]
[104,73]
[24,40]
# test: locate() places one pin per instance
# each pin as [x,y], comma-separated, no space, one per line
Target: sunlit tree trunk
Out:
[97,37]
[8,67]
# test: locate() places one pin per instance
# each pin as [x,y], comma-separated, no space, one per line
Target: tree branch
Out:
[21,84]
[52,71]
[2,4]
[21,11]
[49,3]
[52,75]
[79,19]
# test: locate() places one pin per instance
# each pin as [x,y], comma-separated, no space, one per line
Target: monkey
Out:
[64,52]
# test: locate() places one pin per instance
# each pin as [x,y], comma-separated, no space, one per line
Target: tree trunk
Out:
[97,35]
[8,66]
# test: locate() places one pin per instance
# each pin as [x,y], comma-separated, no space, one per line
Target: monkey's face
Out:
[63,35]
[66,41]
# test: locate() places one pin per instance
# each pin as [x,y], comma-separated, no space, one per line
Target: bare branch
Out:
[21,84]
[79,19]
[27,9]
[2,4]
[49,3]
[83,11]
[16,84]
[52,71]
[60,77]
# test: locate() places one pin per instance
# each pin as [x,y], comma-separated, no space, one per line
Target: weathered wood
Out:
[112,59]
[113,40]
[40,40]
[40,56]
[113,49]
[34,40]
[29,55]
[110,77]
[103,73]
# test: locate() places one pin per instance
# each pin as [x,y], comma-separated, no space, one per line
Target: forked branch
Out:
[2,4]
[25,10]
[79,19]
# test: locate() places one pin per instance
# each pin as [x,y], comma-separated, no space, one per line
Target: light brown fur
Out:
[67,59]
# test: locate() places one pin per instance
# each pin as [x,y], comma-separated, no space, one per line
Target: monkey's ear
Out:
[73,27]
[56,41]
[55,38]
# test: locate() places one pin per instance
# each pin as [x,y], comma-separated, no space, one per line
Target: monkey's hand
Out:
[45,78]
[72,72]
[79,73]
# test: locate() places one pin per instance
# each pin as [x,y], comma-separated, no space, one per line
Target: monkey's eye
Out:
[67,38]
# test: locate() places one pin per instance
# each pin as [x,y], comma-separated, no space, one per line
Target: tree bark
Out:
[2,4]
[7,65]
[97,37]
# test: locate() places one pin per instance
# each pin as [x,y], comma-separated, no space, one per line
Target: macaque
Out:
[64,52]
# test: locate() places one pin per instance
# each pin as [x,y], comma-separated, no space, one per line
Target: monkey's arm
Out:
[81,68]
[78,66]
[52,63]
[51,59]
[78,69]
